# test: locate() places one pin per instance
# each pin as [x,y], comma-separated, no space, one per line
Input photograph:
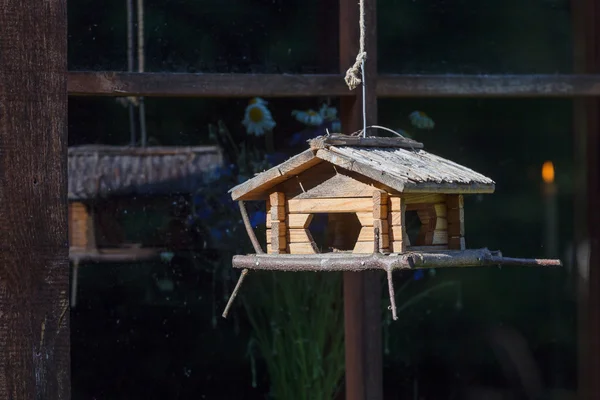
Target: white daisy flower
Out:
[258,118]
[328,113]
[421,120]
[310,117]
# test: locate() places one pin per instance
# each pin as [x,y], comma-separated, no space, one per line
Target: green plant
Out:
[299,330]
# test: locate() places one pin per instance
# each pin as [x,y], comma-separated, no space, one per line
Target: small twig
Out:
[257,249]
[392,294]
[234,293]
[249,229]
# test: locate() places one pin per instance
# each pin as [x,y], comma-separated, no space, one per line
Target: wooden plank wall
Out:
[34,254]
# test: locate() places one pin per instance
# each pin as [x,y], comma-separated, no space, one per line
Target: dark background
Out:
[131,339]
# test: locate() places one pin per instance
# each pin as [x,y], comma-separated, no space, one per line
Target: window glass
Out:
[152,327]
[207,36]
[472,37]
[478,327]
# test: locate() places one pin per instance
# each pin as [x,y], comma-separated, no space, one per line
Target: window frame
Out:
[362,294]
[363,365]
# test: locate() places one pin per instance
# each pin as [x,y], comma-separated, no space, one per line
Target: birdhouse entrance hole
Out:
[413,226]
[334,232]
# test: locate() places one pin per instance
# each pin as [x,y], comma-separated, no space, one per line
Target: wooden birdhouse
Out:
[360,184]
[386,203]
[106,179]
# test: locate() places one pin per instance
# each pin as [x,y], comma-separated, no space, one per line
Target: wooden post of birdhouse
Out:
[456,222]
[81,226]
[277,234]
[397,226]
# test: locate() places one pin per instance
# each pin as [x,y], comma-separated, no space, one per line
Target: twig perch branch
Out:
[257,249]
[388,263]
[410,260]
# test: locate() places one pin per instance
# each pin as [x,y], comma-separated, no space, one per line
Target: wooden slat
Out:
[305,206]
[439,237]
[298,236]
[359,141]
[254,189]
[299,220]
[365,218]
[456,243]
[368,234]
[488,86]
[302,248]
[165,84]
[456,222]
[363,247]
[278,236]
[417,198]
[380,204]
[34,265]
[337,186]
[175,84]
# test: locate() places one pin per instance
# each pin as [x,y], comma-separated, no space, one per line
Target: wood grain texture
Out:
[255,188]
[34,251]
[337,186]
[165,84]
[98,171]
[342,205]
[362,291]
[169,84]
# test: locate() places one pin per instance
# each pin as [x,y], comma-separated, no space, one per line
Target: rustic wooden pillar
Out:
[362,290]
[34,267]
[456,222]
[586,14]
[397,221]
[278,242]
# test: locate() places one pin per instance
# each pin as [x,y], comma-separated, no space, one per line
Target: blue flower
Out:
[258,218]
[419,274]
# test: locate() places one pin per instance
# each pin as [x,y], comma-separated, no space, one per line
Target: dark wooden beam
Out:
[362,290]
[586,14]
[112,83]
[489,86]
[150,84]
[34,266]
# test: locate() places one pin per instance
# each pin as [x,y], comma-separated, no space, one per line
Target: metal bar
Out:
[165,84]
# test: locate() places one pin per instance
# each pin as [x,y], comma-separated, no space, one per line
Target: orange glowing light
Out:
[548,172]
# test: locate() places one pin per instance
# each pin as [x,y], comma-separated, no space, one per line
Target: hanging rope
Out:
[353,78]
[352,75]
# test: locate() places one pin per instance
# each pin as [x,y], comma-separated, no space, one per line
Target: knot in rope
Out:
[353,74]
